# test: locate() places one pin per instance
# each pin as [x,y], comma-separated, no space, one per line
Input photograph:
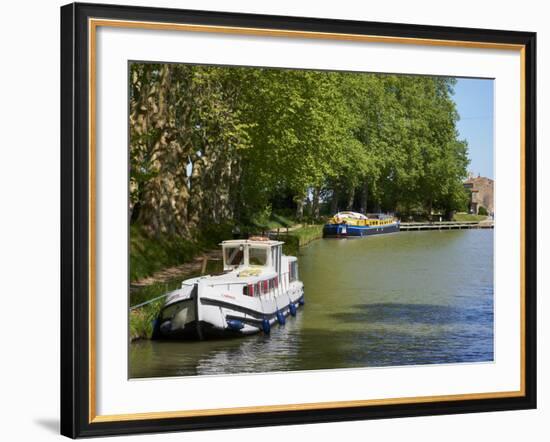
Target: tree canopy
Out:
[213,144]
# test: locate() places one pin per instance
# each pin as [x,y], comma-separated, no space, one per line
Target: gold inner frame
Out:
[93,24]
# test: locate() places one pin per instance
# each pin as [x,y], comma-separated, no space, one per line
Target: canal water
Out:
[388,300]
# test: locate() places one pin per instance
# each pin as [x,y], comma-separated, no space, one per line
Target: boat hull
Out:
[351,231]
[200,315]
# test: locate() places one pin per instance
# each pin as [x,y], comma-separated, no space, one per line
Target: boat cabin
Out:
[255,252]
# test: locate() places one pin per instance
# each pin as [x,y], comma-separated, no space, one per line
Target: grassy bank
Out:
[142,294]
[300,237]
[272,222]
[468,217]
[142,319]
[149,254]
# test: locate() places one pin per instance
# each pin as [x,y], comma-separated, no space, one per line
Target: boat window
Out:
[274,262]
[234,256]
[293,271]
[257,256]
[170,311]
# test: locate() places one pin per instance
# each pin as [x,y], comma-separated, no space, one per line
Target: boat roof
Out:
[256,241]
[356,215]
[349,214]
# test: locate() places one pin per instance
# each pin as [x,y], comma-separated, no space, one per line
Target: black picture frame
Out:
[75,220]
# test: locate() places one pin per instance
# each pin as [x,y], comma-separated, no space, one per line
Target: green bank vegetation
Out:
[300,237]
[468,217]
[482,211]
[150,253]
[142,320]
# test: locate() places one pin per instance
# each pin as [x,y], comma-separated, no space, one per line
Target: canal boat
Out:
[353,224]
[259,288]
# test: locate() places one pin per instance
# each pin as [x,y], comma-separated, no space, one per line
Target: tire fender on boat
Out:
[235,324]
[292,309]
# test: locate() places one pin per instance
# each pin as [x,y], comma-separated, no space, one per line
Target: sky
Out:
[474,101]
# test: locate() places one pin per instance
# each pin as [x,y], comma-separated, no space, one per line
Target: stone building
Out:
[481,193]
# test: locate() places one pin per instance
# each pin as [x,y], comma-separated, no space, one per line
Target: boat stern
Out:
[335,230]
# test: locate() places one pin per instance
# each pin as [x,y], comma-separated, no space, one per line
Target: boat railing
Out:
[437,223]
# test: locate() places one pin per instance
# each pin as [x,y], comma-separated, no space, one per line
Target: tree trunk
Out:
[315,203]
[364,197]
[351,199]
[334,202]
[300,207]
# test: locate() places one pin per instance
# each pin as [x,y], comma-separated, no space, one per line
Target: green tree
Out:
[223,144]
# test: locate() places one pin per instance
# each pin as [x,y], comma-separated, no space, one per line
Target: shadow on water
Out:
[382,347]
[398,313]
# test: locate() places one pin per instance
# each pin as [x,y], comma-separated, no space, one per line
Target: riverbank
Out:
[299,237]
[150,254]
[469,217]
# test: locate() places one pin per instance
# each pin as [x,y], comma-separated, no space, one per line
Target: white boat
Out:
[259,287]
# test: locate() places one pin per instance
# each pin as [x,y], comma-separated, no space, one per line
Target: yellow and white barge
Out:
[353,224]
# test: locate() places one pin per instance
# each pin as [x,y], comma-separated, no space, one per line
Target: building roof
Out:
[478,179]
